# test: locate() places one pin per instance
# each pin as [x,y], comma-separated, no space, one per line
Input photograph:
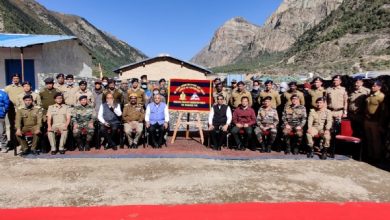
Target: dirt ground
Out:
[88,182]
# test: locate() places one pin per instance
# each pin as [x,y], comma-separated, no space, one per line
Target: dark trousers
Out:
[157,133]
[109,132]
[248,131]
[217,136]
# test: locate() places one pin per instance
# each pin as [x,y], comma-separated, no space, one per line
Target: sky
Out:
[180,28]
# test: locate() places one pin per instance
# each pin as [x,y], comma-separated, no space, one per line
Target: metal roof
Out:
[25,40]
[149,60]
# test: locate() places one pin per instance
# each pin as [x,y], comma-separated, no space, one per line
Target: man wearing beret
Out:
[58,120]
[268,91]
[27,91]
[293,90]
[60,84]
[47,94]
[235,98]
[83,118]
[70,91]
[83,91]
[28,123]
[133,116]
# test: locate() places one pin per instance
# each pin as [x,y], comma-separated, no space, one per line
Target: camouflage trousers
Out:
[83,131]
[269,135]
[289,133]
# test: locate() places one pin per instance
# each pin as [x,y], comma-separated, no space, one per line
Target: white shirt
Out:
[117,111]
[166,112]
[228,115]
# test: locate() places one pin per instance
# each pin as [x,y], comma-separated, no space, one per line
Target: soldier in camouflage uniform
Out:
[28,121]
[294,119]
[83,118]
[267,122]
[319,123]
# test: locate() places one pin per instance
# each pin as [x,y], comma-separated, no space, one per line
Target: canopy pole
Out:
[22,62]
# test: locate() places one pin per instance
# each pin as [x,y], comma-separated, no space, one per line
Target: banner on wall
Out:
[190,95]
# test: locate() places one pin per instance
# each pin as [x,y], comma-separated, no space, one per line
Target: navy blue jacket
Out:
[4,103]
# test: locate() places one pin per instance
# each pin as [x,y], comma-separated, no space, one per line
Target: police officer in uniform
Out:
[373,122]
[27,91]
[136,90]
[220,91]
[47,94]
[28,120]
[316,91]
[83,91]
[133,116]
[70,91]
[337,99]
[293,90]
[319,123]
[267,122]
[357,107]
[268,91]
[58,120]
[111,89]
[237,94]
[60,84]
[83,118]
[294,119]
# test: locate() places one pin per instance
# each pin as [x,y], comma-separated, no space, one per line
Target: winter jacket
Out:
[4,103]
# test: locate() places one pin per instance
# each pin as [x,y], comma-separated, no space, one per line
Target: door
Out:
[14,66]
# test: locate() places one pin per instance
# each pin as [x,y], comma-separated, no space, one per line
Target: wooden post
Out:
[22,63]
[180,122]
[188,127]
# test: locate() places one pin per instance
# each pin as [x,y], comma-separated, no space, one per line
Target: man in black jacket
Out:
[219,120]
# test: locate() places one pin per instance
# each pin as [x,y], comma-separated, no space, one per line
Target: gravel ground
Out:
[88,182]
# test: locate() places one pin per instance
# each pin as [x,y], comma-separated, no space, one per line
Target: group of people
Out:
[62,107]
[299,118]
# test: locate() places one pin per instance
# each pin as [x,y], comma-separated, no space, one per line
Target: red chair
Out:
[346,136]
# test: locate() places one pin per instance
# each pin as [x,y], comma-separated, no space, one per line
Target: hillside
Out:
[28,16]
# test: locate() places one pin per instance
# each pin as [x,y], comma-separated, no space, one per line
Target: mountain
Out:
[279,32]
[28,16]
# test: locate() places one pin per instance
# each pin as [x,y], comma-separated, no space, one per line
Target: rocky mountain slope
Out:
[237,39]
[28,16]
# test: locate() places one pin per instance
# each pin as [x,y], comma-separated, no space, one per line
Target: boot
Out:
[324,153]
[268,149]
[87,147]
[296,151]
[80,144]
[310,153]
[288,149]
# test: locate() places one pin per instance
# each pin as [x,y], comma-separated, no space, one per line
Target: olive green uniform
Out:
[115,93]
[47,99]
[225,94]
[28,120]
[275,101]
[319,121]
[133,116]
[36,99]
[140,95]
[356,109]
[13,91]
[59,114]
[315,94]
[82,116]
[235,99]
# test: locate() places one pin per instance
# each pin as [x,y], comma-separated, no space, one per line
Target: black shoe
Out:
[268,149]
[135,145]
[310,153]
[114,147]
[87,147]
[296,151]
[34,152]
[24,153]
[324,155]
[53,152]
[287,151]
[81,148]
[62,152]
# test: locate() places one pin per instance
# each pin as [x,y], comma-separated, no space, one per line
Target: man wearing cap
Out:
[83,91]
[357,107]
[316,91]
[138,91]
[157,118]
[374,122]
[27,91]
[133,116]
[111,89]
[294,119]
[12,91]
[268,91]
[337,99]
[267,122]
[293,90]
[83,118]
[319,123]
[235,99]
[70,91]
[58,120]
[4,106]
[46,95]
[97,95]
[28,122]
[219,91]
[60,84]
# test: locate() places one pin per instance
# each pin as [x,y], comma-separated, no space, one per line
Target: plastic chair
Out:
[346,136]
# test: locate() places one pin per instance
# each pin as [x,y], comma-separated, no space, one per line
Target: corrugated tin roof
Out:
[25,40]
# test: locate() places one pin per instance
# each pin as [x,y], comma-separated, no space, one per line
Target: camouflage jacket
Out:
[267,118]
[294,116]
[82,115]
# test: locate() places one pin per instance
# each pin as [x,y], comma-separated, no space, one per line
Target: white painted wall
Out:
[66,57]
[163,69]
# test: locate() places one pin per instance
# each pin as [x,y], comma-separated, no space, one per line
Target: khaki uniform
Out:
[115,93]
[372,126]
[319,121]
[133,116]
[59,114]
[337,100]
[356,108]
[36,99]
[225,94]
[287,97]
[267,119]
[87,93]
[140,95]
[315,94]
[60,87]
[235,99]
[275,102]
[70,95]
[294,116]
[28,120]
[13,91]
